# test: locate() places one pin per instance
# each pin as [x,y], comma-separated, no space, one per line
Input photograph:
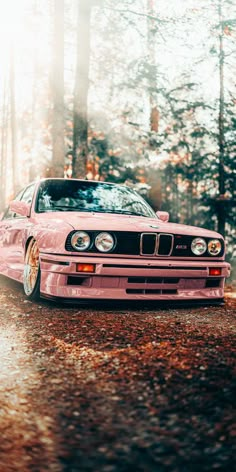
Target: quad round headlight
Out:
[198,246]
[214,247]
[80,241]
[104,242]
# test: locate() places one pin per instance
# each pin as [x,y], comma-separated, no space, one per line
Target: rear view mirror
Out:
[163,216]
[21,208]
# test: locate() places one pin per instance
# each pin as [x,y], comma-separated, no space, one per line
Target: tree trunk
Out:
[4,149]
[155,193]
[58,146]
[14,163]
[151,30]
[80,114]
[221,202]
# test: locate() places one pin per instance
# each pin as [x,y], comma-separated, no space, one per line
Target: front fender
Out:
[50,237]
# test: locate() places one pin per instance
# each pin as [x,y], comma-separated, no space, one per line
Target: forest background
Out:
[140,92]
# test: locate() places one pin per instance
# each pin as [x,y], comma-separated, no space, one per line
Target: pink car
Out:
[77,239]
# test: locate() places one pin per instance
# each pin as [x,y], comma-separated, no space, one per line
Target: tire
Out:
[32,275]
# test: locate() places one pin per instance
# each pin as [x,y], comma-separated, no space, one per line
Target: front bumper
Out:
[131,279]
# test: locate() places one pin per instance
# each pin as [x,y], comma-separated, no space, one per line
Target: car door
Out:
[5,225]
[12,230]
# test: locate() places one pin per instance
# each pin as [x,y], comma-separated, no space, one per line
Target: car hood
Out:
[118,222]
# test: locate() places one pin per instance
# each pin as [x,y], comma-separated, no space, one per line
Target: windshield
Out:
[76,195]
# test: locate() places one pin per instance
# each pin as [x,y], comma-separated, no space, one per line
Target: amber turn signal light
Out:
[85,267]
[214,271]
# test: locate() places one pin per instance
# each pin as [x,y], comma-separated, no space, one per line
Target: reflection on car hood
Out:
[119,222]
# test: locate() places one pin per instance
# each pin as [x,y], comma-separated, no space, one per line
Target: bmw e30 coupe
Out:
[73,240]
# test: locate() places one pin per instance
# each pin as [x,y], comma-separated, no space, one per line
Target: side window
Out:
[28,194]
[8,213]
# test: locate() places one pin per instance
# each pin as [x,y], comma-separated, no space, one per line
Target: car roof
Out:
[75,180]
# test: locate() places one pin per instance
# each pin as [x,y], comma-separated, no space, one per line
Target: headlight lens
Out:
[214,247]
[104,242]
[198,246]
[80,241]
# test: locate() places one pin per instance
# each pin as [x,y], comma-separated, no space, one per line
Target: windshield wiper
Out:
[90,210]
[125,212]
[119,212]
[68,208]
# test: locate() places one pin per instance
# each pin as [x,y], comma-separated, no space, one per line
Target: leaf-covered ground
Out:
[116,389]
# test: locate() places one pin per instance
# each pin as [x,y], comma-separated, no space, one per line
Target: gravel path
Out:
[115,389]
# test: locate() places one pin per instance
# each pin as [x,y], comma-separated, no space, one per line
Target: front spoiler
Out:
[115,279]
[135,304]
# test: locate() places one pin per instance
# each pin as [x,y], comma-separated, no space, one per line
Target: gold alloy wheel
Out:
[31,269]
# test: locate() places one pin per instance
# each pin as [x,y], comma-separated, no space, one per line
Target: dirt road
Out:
[115,389]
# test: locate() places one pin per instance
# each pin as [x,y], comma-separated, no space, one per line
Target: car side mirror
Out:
[163,216]
[21,208]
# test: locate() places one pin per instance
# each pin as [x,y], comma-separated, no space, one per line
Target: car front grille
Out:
[152,244]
